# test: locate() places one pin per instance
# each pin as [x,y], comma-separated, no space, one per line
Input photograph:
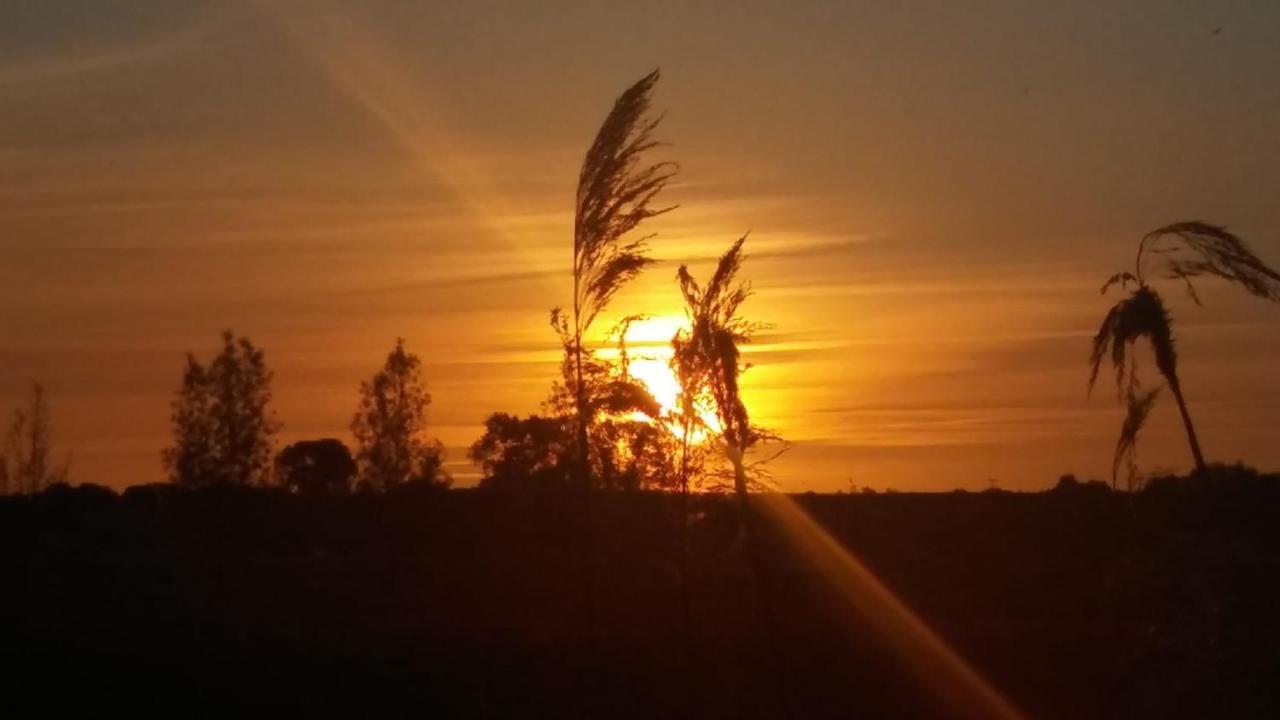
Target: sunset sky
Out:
[935,193]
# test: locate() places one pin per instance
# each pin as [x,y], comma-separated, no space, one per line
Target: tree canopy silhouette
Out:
[521,453]
[316,468]
[221,417]
[615,195]
[390,427]
[1182,251]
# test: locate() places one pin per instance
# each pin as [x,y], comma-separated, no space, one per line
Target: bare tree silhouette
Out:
[614,196]
[1182,251]
[25,462]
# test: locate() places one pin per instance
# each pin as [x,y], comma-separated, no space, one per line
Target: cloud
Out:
[72,64]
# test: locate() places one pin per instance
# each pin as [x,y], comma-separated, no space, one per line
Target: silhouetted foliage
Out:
[26,466]
[520,453]
[628,446]
[1183,251]
[81,496]
[316,468]
[1069,485]
[709,357]
[693,401]
[1138,407]
[614,196]
[1214,483]
[221,417]
[390,427]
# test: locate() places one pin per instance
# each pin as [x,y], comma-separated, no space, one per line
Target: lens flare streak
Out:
[954,684]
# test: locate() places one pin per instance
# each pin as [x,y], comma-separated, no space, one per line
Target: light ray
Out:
[954,684]
[363,70]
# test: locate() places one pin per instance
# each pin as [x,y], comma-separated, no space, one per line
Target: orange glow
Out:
[649,356]
[328,176]
[649,361]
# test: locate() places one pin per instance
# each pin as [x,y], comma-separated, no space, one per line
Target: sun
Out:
[649,356]
[658,379]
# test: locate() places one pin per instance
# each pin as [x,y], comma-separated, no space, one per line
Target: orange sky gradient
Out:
[934,195]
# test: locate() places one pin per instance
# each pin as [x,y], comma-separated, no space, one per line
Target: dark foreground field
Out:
[1074,604]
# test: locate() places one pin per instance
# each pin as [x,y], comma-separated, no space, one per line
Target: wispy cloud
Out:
[79,61]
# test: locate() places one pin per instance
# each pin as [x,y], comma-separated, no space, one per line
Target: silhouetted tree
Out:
[221,417]
[390,427]
[517,453]
[1183,251]
[25,462]
[316,468]
[613,198]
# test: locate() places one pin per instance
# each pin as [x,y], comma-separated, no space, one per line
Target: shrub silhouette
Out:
[316,468]
[1069,485]
[1183,251]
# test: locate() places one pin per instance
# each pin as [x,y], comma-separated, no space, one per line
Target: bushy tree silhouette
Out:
[316,468]
[26,465]
[1181,251]
[523,453]
[614,196]
[221,417]
[390,427]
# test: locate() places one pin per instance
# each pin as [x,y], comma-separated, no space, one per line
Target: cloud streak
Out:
[76,63]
